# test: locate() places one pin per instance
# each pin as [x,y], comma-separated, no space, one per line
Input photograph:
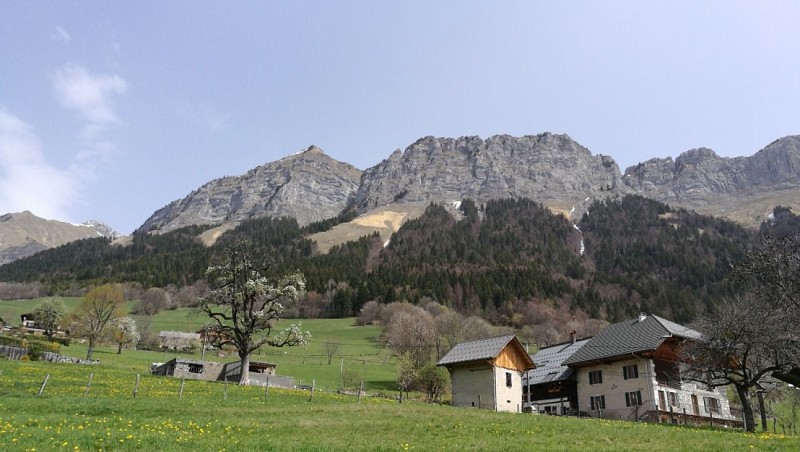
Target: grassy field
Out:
[216,416]
[110,418]
[360,354]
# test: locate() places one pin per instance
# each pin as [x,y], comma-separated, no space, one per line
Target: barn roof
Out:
[642,334]
[487,350]
[550,362]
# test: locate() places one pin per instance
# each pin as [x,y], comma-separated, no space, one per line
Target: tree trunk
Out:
[245,366]
[90,349]
[747,409]
[119,348]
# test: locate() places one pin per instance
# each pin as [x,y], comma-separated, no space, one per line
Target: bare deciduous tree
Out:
[370,313]
[245,304]
[448,332]
[744,342]
[331,348]
[412,332]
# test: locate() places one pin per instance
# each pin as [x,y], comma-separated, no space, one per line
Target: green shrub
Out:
[11,341]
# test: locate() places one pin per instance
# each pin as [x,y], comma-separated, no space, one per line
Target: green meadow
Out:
[360,355]
[215,416]
[168,414]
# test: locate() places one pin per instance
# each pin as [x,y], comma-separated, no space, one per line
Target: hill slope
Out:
[24,234]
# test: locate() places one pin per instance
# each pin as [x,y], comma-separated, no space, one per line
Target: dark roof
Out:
[549,362]
[480,350]
[641,334]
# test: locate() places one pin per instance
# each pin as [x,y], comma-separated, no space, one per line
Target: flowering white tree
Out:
[245,305]
[123,331]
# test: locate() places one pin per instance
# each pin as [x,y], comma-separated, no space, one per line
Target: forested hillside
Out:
[511,261]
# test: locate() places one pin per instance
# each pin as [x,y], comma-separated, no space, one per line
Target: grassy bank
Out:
[110,418]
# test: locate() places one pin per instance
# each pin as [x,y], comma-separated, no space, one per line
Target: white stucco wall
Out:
[614,387]
[485,387]
[509,398]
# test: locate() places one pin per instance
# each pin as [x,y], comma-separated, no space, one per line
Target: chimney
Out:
[572,335]
[642,316]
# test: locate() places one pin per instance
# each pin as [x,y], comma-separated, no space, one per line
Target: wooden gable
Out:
[514,357]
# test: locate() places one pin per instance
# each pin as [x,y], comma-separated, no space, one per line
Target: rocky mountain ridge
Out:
[552,169]
[308,186]
[23,234]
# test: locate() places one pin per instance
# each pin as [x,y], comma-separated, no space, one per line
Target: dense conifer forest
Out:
[502,260]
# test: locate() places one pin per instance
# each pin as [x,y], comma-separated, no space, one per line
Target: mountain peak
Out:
[23,234]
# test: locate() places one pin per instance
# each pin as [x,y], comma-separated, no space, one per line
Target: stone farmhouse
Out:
[631,371]
[487,373]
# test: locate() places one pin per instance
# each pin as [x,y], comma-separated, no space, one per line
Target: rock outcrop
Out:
[309,186]
[700,179]
[552,169]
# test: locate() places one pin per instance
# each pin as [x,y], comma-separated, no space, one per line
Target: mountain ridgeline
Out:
[553,169]
[516,229]
[499,259]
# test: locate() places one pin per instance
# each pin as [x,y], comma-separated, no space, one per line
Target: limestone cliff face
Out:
[699,178]
[552,169]
[309,186]
[549,168]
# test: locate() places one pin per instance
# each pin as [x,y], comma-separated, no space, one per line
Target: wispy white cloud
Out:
[88,94]
[28,182]
[61,35]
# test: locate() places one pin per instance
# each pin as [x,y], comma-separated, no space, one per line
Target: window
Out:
[711,404]
[595,377]
[195,368]
[673,398]
[598,402]
[633,398]
[508,379]
[630,372]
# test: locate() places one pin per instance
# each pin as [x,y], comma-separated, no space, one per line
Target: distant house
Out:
[552,387]
[28,321]
[178,340]
[487,373]
[630,371]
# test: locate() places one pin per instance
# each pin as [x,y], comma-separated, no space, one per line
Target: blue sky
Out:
[111,110]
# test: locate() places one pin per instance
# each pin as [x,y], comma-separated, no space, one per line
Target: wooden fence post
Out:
[88,385]
[266,390]
[313,384]
[180,393]
[225,391]
[360,390]
[671,415]
[711,419]
[44,383]
[136,387]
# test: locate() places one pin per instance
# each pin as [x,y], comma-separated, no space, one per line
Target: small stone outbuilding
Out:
[487,373]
